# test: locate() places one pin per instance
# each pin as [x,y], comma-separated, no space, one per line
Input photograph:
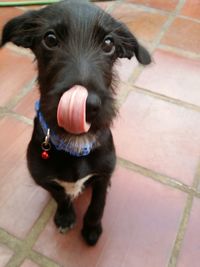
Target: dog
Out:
[76,46]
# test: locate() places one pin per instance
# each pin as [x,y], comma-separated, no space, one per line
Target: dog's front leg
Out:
[92,227]
[65,217]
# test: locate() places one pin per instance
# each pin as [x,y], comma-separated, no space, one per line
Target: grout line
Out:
[166,98]
[127,89]
[42,260]
[19,117]
[24,248]
[9,113]
[158,177]
[41,223]
[18,258]
[10,241]
[3,110]
[184,222]
[113,6]
[144,8]
[2,116]
[24,91]
[123,90]
[181,232]
[179,51]
[172,16]
[189,18]
[156,42]
[196,181]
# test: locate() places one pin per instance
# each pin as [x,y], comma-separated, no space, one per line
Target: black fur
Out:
[78,58]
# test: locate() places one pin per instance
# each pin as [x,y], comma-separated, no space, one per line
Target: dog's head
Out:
[75,44]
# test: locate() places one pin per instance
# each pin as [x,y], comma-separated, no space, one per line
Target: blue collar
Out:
[58,143]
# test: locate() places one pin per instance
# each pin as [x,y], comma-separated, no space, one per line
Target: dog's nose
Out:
[93,105]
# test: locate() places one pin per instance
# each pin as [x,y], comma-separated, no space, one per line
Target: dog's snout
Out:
[93,105]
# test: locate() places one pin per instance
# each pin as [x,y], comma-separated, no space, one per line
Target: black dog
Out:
[75,45]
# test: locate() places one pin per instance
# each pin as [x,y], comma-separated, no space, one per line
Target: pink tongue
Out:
[71,113]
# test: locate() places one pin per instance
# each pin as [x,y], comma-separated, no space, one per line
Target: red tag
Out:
[45,155]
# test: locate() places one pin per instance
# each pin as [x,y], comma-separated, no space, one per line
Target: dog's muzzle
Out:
[72,109]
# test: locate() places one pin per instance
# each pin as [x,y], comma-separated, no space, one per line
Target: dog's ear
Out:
[20,30]
[129,46]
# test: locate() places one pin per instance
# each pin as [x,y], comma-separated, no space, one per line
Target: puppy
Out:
[75,45]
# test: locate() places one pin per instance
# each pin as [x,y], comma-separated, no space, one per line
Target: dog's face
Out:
[75,44]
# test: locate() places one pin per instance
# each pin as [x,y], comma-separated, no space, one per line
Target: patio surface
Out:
[152,216]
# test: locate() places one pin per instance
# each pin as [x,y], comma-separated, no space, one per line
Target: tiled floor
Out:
[152,215]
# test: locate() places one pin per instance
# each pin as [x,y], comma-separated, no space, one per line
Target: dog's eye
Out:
[50,40]
[108,45]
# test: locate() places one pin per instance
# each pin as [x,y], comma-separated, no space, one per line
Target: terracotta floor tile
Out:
[14,76]
[5,255]
[140,223]
[183,34]
[165,5]
[191,9]
[17,216]
[159,135]
[7,13]
[104,5]
[26,106]
[190,249]
[122,91]
[28,263]
[144,25]
[173,76]
[125,68]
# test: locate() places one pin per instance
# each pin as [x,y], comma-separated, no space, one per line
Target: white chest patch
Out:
[74,189]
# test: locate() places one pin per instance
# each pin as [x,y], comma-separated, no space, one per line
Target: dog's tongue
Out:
[71,113]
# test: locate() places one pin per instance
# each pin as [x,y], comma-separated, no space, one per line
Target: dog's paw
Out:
[65,220]
[91,234]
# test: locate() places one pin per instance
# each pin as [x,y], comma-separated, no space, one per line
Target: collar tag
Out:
[59,143]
